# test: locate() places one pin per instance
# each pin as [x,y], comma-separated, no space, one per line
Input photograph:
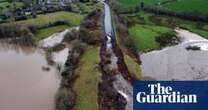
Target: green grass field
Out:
[129,3]
[41,20]
[132,3]
[5,6]
[188,6]
[173,5]
[73,18]
[87,83]
[144,36]
[150,26]
[44,33]
[85,8]
[125,4]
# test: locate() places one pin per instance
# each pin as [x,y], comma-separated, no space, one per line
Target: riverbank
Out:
[67,51]
[115,88]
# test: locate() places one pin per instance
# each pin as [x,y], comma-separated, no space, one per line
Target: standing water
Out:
[178,62]
[24,84]
[107,19]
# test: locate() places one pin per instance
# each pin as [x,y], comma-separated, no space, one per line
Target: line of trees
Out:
[193,16]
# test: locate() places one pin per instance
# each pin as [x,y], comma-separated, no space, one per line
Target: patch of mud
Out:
[186,35]
[61,56]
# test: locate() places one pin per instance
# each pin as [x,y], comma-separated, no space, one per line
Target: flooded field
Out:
[24,83]
[178,62]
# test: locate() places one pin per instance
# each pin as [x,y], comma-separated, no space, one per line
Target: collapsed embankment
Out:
[115,89]
[109,98]
[124,40]
[116,79]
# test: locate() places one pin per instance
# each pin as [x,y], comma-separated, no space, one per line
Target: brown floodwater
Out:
[24,85]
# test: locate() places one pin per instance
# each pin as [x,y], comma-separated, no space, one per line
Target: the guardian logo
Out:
[164,94]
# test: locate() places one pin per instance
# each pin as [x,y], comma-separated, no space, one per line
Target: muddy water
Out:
[24,85]
[176,62]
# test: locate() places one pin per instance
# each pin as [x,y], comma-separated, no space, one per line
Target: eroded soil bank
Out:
[115,89]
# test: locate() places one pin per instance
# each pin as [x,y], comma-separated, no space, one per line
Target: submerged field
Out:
[145,27]
[44,33]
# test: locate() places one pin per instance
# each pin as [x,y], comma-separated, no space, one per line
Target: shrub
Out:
[56,23]
[90,37]
[22,17]
[78,48]
[65,99]
[58,47]
[89,23]
[167,39]
[61,22]
[33,28]
[125,38]
[70,36]
[14,31]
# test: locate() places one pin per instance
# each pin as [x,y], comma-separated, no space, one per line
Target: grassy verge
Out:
[133,66]
[87,83]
